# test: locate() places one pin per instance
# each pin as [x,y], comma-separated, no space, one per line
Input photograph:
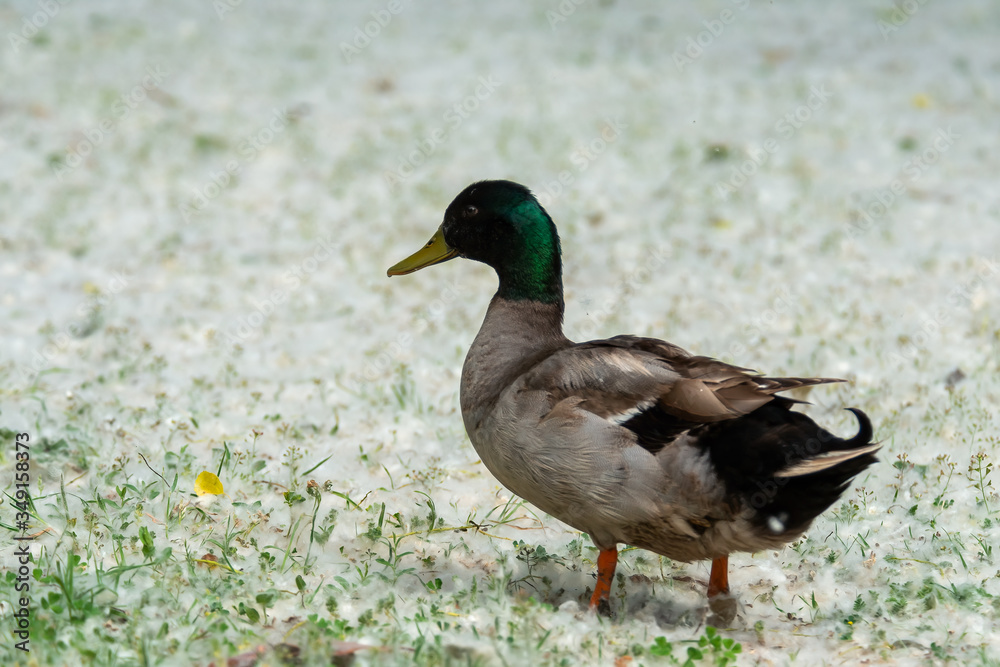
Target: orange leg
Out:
[718,581]
[607,561]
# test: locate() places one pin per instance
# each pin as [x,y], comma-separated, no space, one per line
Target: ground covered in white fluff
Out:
[198,203]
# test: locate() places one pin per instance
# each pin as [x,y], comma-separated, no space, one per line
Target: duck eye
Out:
[469,211]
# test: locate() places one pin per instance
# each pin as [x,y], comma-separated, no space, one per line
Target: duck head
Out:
[501,224]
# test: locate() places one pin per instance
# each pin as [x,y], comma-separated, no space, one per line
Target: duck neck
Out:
[528,322]
[515,335]
[529,266]
[535,281]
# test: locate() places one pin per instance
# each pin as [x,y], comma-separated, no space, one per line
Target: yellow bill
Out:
[435,252]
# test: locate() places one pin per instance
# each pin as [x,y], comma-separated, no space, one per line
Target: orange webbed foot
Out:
[607,562]
[722,604]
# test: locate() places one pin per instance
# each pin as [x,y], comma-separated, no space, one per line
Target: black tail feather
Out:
[865,430]
[749,451]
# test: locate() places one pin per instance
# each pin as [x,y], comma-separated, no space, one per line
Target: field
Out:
[198,205]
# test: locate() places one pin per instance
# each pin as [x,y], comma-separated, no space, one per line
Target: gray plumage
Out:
[540,411]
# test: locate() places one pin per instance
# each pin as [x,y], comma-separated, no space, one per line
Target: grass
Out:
[339,537]
[138,569]
[356,519]
[344,533]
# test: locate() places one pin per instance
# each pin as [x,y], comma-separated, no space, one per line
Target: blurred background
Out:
[199,200]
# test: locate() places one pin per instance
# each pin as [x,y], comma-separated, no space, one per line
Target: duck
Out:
[631,440]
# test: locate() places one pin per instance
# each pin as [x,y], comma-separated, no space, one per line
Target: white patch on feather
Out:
[627,364]
[776,523]
[826,460]
[623,417]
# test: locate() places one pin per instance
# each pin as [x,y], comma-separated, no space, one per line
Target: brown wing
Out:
[623,376]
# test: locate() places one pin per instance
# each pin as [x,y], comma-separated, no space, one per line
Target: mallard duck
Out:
[631,440]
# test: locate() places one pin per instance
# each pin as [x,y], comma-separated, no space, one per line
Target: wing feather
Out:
[621,377]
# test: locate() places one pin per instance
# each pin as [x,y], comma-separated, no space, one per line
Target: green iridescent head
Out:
[501,224]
